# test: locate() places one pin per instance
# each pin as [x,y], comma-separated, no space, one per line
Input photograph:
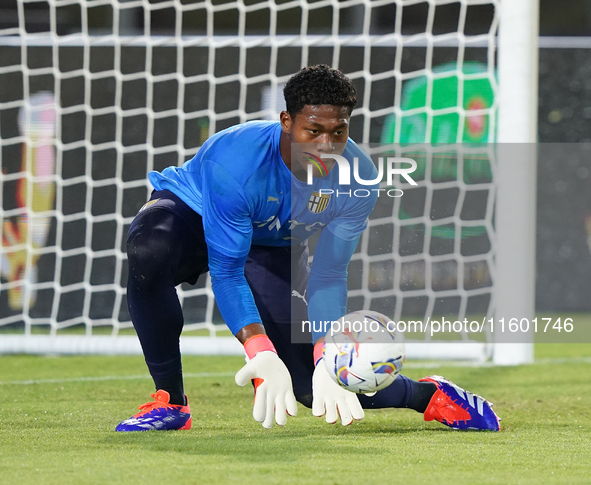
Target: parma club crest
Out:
[317,202]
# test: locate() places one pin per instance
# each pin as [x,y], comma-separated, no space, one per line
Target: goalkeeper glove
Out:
[273,388]
[329,397]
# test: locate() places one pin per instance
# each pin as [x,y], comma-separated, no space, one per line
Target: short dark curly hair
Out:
[318,85]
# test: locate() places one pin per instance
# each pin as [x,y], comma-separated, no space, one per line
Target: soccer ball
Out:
[361,354]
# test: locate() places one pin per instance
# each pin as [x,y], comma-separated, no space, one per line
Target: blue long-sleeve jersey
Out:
[246,195]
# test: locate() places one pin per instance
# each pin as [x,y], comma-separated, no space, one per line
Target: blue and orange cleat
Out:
[459,409]
[158,415]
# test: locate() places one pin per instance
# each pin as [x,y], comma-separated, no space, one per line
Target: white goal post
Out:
[516,204]
[87,110]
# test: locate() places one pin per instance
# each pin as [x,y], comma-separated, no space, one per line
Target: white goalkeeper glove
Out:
[329,397]
[274,396]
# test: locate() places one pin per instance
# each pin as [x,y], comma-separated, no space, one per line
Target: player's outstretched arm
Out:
[228,233]
[273,388]
[274,396]
[329,397]
[327,289]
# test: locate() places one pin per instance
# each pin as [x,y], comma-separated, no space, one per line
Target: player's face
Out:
[317,130]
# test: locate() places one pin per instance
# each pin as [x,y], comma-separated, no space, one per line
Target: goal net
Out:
[96,94]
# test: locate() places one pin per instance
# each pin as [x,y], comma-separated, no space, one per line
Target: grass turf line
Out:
[62,432]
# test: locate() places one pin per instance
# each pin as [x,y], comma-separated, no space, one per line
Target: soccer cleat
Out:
[459,409]
[159,415]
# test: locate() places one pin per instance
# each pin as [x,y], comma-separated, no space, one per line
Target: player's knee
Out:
[139,252]
[148,257]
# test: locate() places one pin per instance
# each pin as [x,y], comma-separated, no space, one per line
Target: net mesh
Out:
[95,94]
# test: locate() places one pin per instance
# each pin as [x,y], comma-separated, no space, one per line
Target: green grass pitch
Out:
[57,417]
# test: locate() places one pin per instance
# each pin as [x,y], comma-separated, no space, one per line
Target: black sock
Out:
[168,376]
[174,386]
[422,392]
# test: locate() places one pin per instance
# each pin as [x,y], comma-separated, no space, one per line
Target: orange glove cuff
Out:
[258,343]
[318,350]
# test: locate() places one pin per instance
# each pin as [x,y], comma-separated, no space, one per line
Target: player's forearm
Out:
[233,295]
[327,301]
[327,287]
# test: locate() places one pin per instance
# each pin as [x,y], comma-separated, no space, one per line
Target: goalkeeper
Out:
[242,210]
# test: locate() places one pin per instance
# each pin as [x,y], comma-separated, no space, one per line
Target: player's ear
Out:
[286,121]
